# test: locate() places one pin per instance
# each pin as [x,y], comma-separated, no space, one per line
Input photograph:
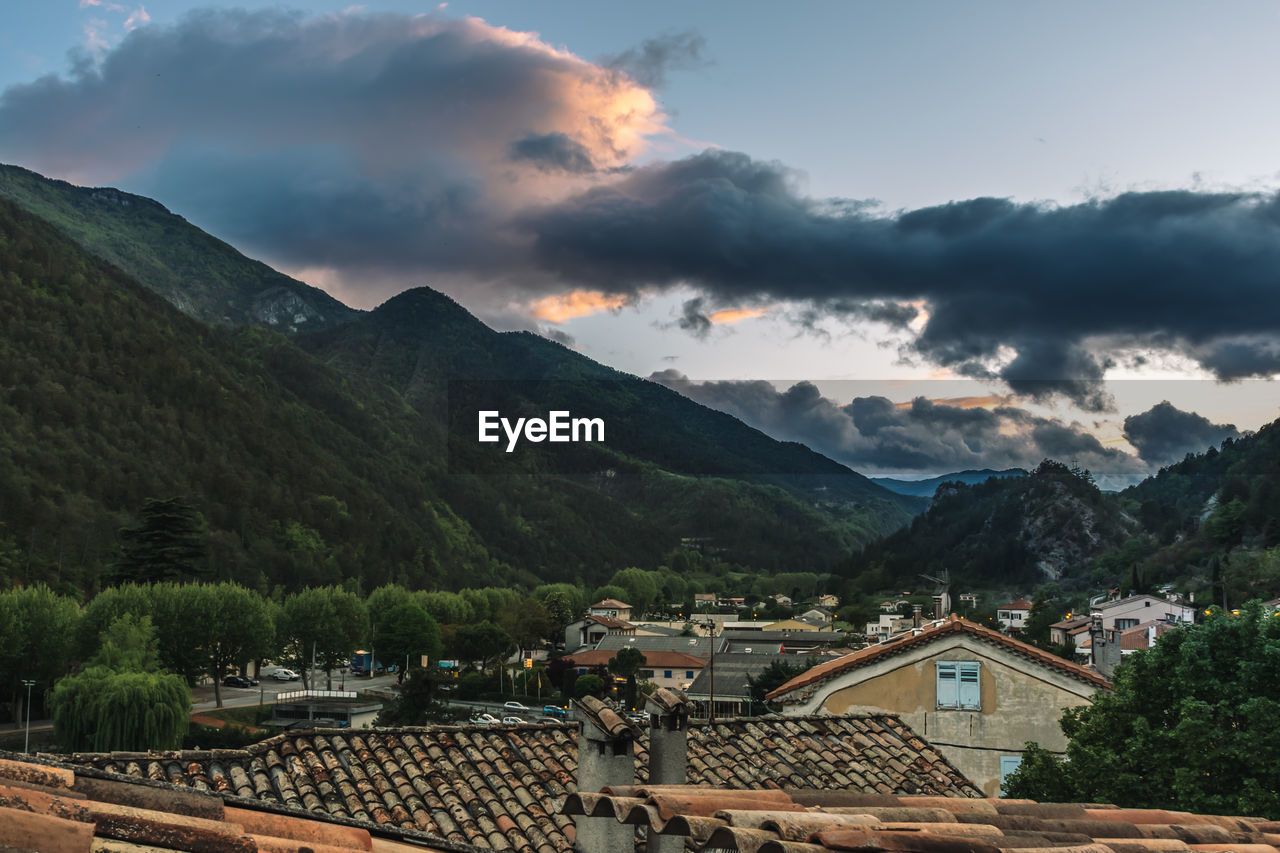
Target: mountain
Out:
[338,454]
[201,275]
[1012,531]
[926,488]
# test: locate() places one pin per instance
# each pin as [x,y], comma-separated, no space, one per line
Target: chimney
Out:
[668,744]
[916,620]
[606,756]
[1105,651]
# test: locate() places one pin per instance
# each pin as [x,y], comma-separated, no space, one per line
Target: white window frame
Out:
[958,685]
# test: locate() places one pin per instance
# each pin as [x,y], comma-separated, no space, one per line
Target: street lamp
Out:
[26,743]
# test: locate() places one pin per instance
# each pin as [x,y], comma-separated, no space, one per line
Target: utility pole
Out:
[26,742]
[711,671]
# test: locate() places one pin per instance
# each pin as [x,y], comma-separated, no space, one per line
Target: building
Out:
[673,670]
[1013,616]
[828,600]
[977,693]
[787,642]
[612,608]
[1137,609]
[590,630]
[725,680]
[1074,631]
[796,624]
[699,646]
[887,625]
[475,788]
[324,709]
[704,599]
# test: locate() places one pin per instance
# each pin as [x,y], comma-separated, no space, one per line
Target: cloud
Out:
[392,150]
[649,63]
[1164,434]
[693,320]
[553,151]
[563,307]
[381,151]
[1033,294]
[924,437]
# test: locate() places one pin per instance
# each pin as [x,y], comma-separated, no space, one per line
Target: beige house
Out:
[976,694]
[611,608]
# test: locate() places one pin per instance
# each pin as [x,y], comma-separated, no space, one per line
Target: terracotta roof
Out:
[1016,604]
[669,701]
[500,787]
[47,808]
[1132,639]
[652,659]
[612,603]
[605,717]
[811,821]
[953,624]
[608,622]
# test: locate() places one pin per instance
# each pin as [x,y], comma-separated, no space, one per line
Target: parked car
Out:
[484,719]
[512,721]
[238,681]
[554,711]
[285,675]
[515,706]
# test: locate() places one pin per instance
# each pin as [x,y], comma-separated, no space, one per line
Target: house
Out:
[473,788]
[1137,609]
[726,678]
[781,600]
[673,670]
[699,646]
[818,616]
[1013,616]
[788,642]
[704,600]
[734,602]
[1074,631]
[611,607]
[887,625]
[829,600]
[979,694]
[786,625]
[590,630]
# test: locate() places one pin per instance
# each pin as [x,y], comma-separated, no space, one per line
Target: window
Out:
[666,673]
[1122,624]
[646,673]
[959,685]
[1008,764]
[688,673]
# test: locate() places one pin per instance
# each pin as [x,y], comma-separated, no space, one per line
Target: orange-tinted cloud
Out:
[980,401]
[736,315]
[562,307]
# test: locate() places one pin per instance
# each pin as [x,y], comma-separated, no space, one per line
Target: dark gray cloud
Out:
[554,152]
[1164,434]
[649,63]
[1034,294]
[559,337]
[873,434]
[693,320]
[373,152]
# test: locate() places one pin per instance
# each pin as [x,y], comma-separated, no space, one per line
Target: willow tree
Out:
[120,701]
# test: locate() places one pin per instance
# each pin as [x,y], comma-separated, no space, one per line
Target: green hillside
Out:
[326,457]
[201,275]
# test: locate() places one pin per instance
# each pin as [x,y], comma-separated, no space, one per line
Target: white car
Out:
[515,706]
[285,675]
[484,720]
[512,721]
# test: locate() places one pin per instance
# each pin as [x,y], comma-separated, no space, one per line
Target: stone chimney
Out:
[1105,651]
[916,620]
[606,757]
[668,759]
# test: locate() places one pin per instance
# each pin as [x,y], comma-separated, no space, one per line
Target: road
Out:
[202,698]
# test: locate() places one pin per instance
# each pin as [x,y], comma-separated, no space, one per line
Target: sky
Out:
[920,237]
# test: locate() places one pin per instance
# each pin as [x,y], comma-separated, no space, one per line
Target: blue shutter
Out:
[1008,764]
[948,693]
[970,687]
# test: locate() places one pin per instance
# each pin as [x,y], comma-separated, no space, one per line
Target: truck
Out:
[361,661]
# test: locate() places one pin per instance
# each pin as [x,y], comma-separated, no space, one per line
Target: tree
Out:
[121,701]
[416,703]
[324,624]
[775,675]
[1192,724]
[37,634]
[237,627]
[167,544]
[588,685]
[641,588]
[406,632]
[625,664]
[528,622]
